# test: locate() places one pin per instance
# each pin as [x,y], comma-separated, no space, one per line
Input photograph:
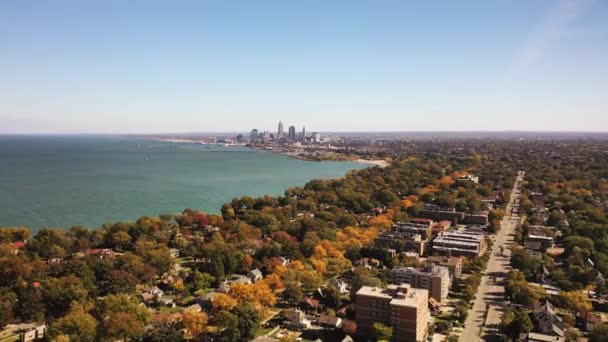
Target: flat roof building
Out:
[437,213]
[434,278]
[538,240]
[400,306]
[453,264]
[424,229]
[400,241]
[459,244]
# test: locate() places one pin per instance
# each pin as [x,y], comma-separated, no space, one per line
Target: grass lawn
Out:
[183,260]
[263,331]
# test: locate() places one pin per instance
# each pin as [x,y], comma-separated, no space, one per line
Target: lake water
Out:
[61,181]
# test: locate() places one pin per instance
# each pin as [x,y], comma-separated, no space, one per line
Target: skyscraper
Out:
[292,133]
[254,135]
[280,131]
[303,132]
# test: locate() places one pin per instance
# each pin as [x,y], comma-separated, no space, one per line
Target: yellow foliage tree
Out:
[258,294]
[380,221]
[296,265]
[274,282]
[576,301]
[223,301]
[410,201]
[195,323]
[319,265]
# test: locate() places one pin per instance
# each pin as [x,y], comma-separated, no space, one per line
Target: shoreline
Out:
[378,162]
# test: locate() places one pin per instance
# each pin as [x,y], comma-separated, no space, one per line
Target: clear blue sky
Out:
[377,65]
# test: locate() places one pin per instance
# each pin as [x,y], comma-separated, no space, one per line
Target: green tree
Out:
[59,293]
[382,332]
[78,325]
[599,333]
[248,319]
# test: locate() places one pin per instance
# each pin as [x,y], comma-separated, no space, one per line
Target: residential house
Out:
[297,319]
[311,304]
[194,307]
[103,253]
[36,333]
[330,321]
[239,279]
[547,320]
[224,287]
[536,337]
[468,178]
[255,275]
[595,319]
[339,285]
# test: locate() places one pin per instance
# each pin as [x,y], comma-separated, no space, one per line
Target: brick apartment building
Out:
[400,306]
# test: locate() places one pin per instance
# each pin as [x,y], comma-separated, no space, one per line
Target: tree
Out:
[515,322]
[110,304]
[223,302]
[121,240]
[577,301]
[349,328]
[293,293]
[78,326]
[230,325]
[382,332]
[248,321]
[259,294]
[59,293]
[164,329]
[118,281]
[461,311]
[599,333]
[195,323]
[124,326]
[8,300]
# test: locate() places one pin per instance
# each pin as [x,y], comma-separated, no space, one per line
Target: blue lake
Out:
[62,181]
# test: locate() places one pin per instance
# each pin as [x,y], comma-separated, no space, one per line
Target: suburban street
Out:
[490,295]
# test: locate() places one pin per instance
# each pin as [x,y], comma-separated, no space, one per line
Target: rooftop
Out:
[401,295]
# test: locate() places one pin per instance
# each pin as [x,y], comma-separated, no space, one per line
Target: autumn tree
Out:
[123,325]
[576,301]
[223,302]
[349,328]
[195,323]
[259,294]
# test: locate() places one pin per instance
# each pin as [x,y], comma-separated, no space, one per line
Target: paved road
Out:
[490,295]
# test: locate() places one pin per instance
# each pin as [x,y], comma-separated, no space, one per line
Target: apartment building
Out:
[400,306]
[435,279]
[424,229]
[453,264]
[459,244]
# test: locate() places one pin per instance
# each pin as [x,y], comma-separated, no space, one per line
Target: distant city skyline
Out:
[340,66]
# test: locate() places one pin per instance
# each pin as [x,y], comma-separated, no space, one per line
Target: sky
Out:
[115,66]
